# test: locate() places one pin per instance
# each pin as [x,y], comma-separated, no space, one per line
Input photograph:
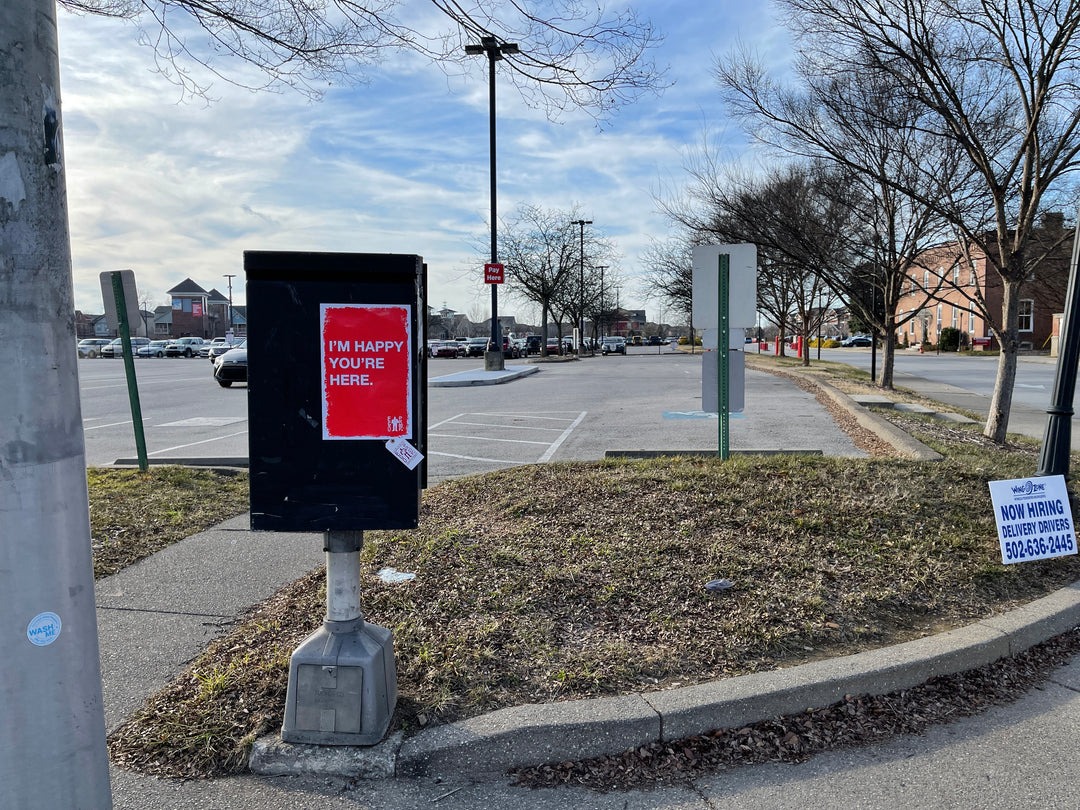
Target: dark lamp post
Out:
[493,359]
[581,223]
[230,277]
[601,268]
[1057,441]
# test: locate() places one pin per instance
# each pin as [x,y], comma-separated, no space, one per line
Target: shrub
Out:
[949,339]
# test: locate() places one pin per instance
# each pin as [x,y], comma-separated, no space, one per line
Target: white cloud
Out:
[174,190]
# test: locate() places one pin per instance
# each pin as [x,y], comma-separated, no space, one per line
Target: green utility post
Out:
[723,372]
[129,369]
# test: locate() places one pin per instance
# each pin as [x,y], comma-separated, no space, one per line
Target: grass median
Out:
[561,581]
[135,513]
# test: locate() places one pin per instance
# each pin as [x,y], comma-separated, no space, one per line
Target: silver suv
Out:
[184,347]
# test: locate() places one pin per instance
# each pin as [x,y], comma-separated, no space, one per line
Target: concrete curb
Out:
[532,734]
[903,443]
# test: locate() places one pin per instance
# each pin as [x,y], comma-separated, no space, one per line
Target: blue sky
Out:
[172,188]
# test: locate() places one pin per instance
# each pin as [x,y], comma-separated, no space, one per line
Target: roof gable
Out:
[187,287]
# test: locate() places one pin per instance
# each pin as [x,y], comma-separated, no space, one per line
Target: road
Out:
[566,411]
[1034,376]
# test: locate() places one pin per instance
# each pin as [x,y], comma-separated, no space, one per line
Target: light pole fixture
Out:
[493,358]
[581,223]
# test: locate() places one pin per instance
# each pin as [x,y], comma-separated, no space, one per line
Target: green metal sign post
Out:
[723,348]
[129,369]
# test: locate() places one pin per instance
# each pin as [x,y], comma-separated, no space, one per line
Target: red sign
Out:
[196,309]
[493,274]
[366,371]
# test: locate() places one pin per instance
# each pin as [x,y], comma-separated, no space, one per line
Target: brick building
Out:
[955,279]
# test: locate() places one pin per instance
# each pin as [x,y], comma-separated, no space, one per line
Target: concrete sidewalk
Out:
[155,616]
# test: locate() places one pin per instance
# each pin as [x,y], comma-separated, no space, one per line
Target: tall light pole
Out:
[493,358]
[601,268]
[581,223]
[230,277]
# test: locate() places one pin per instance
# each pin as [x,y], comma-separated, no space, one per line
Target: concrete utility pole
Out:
[52,721]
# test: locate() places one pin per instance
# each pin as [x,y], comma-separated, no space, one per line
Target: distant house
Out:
[190,310]
[239,321]
[163,322]
[626,322]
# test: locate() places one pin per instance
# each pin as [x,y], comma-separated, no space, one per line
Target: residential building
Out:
[190,310]
[625,322]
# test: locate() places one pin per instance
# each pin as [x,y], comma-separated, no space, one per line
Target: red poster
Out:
[366,371]
[196,309]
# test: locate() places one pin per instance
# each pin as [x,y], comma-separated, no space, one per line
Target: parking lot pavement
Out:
[569,411]
[502,438]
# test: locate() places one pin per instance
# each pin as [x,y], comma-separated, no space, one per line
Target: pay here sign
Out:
[366,371]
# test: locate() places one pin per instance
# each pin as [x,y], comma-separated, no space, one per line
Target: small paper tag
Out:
[406,453]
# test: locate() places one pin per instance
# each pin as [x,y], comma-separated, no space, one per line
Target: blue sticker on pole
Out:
[44,629]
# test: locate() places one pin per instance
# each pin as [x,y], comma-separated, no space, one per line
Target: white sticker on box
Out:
[405,452]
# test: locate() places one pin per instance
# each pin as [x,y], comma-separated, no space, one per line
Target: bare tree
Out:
[868,152]
[570,54]
[669,275]
[539,249]
[993,84]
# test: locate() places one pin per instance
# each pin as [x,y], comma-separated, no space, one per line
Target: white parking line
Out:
[444,421]
[486,439]
[111,424]
[574,419]
[193,444]
[514,427]
[565,435]
[528,415]
[475,458]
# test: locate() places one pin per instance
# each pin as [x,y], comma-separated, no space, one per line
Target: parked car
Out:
[857,340]
[552,346]
[219,349]
[613,345]
[231,367]
[204,350]
[636,340]
[653,340]
[184,347]
[155,348]
[533,344]
[509,349]
[449,348]
[476,347]
[116,347]
[91,347]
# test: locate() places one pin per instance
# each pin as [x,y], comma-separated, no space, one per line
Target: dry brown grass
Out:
[562,581]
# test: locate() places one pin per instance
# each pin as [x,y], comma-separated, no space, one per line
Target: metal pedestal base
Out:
[342,686]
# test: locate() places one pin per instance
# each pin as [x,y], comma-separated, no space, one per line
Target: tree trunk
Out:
[804,342]
[52,744]
[997,421]
[888,353]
